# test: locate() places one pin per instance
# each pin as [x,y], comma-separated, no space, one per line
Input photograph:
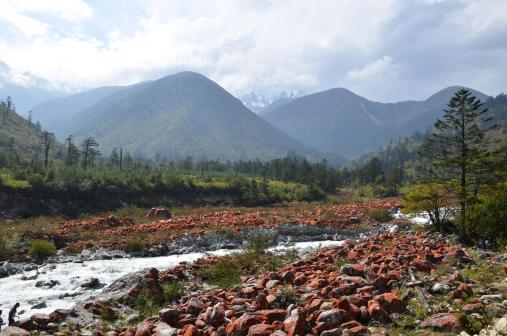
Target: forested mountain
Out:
[339,120]
[181,115]
[403,153]
[20,139]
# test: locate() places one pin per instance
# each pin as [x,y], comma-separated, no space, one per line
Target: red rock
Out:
[272,315]
[472,308]
[260,330]
[240,326]
[352,269]
[442,322]
[359,330]
[190,330]
[296,324]
[376,312]
[391,303]
[14,331]
[144,328]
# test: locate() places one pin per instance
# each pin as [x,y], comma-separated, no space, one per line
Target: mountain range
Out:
[187,114]
[180,115]
[338,120]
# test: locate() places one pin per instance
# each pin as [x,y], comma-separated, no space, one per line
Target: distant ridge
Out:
[338,120]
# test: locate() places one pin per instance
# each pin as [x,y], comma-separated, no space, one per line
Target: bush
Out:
[379,214]
[173,291]
[225,273]
[286,296]
[132,246]
[40,249]
[257,245]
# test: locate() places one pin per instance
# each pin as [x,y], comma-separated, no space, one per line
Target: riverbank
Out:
[388,283]
[113,232]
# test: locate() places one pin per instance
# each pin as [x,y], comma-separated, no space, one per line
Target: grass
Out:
[40,249]
[286,296]
[173,291]
[133,246]
[379,214]
[225,273]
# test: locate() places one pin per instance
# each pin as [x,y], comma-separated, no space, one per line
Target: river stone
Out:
[14,331]
[440,288]
[501,326]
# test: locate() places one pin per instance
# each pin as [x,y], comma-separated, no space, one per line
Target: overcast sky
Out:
[385,50]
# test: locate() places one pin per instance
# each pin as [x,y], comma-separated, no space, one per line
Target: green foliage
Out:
[173,291]
[133,246]
[431,198]
[285,296]
[257,245]
[460,154]
[490,213]
[225,273]
[473,323]
[40,249]
[146,305]
[379,214]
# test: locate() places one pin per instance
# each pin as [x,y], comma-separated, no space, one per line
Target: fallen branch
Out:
[419,292]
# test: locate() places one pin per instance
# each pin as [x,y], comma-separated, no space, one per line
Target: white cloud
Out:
[372,70]
[265,46]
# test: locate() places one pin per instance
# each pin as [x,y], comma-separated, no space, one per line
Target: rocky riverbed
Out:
[388,283]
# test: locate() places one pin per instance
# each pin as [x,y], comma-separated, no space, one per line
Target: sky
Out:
[385,50]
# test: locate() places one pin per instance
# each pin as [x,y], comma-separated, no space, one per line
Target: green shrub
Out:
[146,305]
[225,273]
[40,249]
[4,252]
[257,245]
[173,291]
[285,296]
[379,214]
[132,246]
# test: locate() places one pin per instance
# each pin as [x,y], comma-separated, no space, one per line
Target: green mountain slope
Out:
[181,115]
[339,120]
[21,139]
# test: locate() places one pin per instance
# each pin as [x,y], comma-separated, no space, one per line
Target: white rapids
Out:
[71,275]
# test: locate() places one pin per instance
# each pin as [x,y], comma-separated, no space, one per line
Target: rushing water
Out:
[71,275]
[420,218]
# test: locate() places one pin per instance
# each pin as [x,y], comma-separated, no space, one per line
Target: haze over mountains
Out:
[187,114]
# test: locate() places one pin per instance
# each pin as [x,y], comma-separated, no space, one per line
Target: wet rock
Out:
[47,284]
[40,305]
[40,319]
[92,283]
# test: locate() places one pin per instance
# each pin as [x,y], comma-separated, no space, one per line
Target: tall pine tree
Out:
[460,154]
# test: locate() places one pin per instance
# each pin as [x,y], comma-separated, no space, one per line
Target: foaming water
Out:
[70,276]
